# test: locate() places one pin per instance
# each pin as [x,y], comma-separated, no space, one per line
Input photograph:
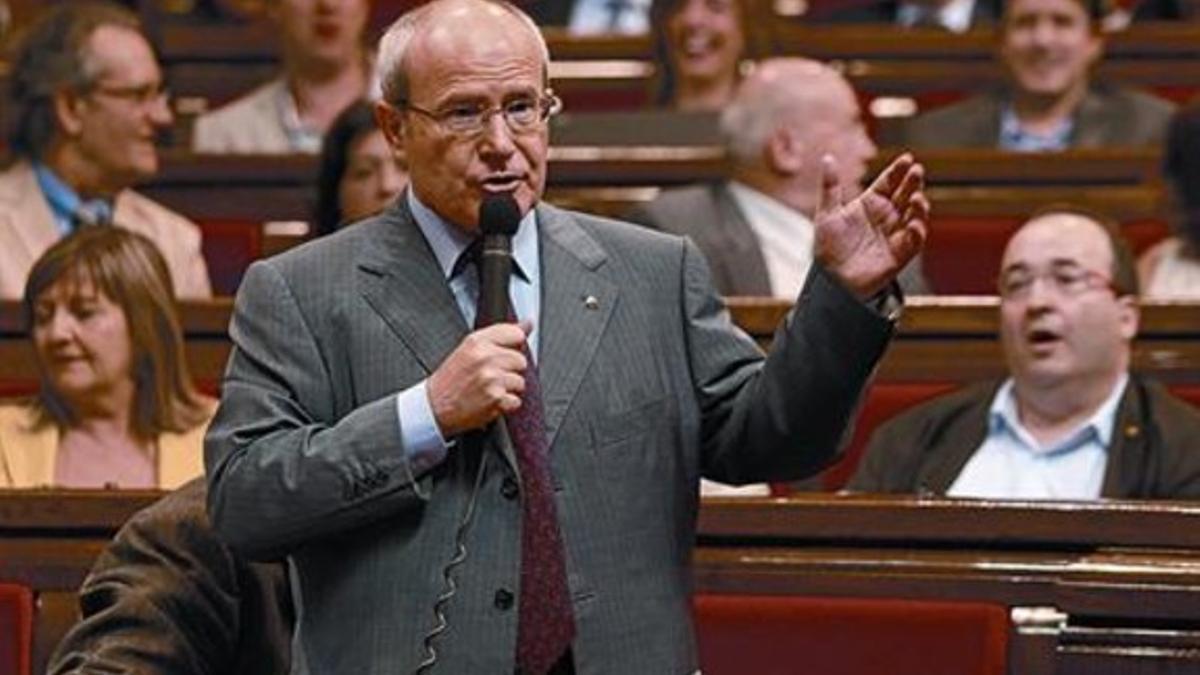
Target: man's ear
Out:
[68,111]
[390,121]
[783,152]
[1130,316]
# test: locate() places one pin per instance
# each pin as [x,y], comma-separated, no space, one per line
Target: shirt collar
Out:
[62,197]
[954,16]
[1014,137]
[64,201]
[1002,416]
[761,202]
[448,241]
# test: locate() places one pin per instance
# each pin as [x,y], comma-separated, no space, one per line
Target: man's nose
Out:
[160,112]
[497,139]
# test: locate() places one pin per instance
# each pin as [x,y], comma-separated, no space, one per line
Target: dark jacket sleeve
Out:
[167,597]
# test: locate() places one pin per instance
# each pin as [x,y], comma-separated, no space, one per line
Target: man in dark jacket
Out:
[1071,422]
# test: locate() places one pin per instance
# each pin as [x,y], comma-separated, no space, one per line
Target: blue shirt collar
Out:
[1014,137]
[1003,418]
[62,198]
[448,241]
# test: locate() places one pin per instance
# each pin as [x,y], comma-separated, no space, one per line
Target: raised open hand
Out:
[866,241]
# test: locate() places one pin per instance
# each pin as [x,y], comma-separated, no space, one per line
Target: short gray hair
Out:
[748,122]
[393,46]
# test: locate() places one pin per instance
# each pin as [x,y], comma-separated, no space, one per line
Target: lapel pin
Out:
[591,302]
[1132,431]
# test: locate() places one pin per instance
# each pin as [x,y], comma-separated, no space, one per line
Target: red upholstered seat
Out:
[962,255]
[14,387]
[884,401]
[16,629]
[229,246]
[796,635]
[1187,392]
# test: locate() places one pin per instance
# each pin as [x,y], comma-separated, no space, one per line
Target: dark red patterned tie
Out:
[545,622]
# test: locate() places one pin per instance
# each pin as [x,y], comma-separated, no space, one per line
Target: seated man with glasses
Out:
[88,104]
[1071,421]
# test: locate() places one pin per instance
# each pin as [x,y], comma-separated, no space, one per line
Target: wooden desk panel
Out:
[1126,574]
[939,339]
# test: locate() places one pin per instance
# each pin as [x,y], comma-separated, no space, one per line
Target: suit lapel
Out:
[1124,474]
[402,282]
[957,444]
[1092,122]
[739,247]
[577,302]
[28,209]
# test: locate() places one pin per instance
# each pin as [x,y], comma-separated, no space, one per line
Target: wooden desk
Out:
[1123,576]
[939,339]
[256,189]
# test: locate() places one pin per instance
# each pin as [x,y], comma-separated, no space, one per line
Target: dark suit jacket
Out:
[647,386]
[1107,117]
[710,215]
[167,596]
[1155,451]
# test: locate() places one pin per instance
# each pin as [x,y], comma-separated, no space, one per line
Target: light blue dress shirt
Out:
[65,202]
[1011,464]
[630,17]
[423,441]
[1013,137]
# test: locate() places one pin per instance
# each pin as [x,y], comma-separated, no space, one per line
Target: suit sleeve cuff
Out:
[423,444]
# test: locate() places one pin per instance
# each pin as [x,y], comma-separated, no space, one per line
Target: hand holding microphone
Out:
[483,378]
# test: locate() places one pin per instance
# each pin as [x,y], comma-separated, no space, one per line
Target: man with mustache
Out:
[1071,421]
[88,103]
[1050,101]
[524,494]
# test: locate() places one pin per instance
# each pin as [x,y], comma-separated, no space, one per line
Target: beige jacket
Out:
[250,125]
[27,229]
[27,453]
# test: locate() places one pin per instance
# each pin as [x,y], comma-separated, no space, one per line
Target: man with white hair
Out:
[787,119]
[519,496]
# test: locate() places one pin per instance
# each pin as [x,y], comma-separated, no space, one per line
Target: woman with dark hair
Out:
[699,48]
[358,174]
[116,404]
[1171,269]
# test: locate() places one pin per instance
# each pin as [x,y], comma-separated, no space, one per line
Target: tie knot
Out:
[468,258]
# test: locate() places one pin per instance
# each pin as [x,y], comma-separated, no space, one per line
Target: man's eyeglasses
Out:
[141,95]
[1063,280]
[522,115]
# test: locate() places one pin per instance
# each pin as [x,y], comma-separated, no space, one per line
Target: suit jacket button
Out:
[503,600]
[509,488]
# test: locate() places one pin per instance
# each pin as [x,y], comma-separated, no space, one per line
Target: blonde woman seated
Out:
[116,406]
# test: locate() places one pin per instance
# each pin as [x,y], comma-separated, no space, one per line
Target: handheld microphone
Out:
[499,217]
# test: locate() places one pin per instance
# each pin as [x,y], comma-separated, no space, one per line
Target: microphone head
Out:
[499,214]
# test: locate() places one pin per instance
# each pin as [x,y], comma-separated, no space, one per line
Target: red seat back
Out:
[16,629]
[1187,392]
[229,246]
[884,401]
[778,635]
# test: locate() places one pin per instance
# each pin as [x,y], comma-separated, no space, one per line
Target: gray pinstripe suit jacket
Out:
[643,394]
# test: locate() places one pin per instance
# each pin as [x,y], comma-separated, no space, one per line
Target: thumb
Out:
[831,197]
